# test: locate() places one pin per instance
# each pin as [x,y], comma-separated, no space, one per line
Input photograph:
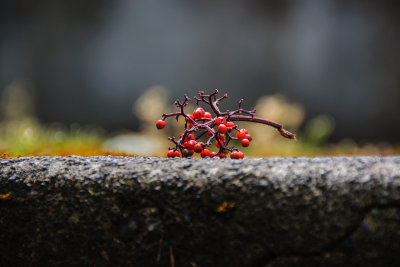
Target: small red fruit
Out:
[241,134]
[222,128]
[198,147]
[187,152]
[216,144]
[160,124]
[205,153]
[234,155]
[245,142]
[190,137]
[230,124]
[218,121]
[237,155]
[248,137]
[171,154]
[245,131]
[209,134]
[177,154]
[198,113]
[222,155]
[213,154]
[207,115]
[190,144]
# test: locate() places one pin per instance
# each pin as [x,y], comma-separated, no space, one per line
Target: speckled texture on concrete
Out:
[124,211]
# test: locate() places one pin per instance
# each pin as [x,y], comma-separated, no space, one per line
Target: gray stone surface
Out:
[123,211]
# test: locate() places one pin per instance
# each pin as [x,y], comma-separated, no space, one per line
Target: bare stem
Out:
[277,126]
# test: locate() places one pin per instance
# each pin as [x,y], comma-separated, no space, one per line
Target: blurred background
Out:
[92,77]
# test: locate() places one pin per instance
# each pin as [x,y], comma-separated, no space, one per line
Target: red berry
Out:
[209,134]
[198,113]
[198,147]
[190,144]
[205,153]
[240,134]
[189,137]
[222,128]
[248,137]
[234,155]
[245,142]
[187,152]
[171,154]
[218,121]
[230,124]
[207,115]
[245,131]
[160,124]
[237,155]
[213,154]
[216,144]
[177,154]
[222,155]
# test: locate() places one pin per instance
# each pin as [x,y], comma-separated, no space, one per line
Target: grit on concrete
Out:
[131,211]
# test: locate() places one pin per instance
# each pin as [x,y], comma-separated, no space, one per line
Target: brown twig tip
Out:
[287,134]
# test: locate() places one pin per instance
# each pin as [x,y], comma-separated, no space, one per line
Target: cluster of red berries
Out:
[190,146]
[219,128]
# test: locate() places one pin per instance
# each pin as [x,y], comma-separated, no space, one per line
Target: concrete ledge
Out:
[123,211]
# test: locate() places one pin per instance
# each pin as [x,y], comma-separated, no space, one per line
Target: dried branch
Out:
[202,123]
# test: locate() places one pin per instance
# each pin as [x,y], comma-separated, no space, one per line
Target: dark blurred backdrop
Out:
[86,61]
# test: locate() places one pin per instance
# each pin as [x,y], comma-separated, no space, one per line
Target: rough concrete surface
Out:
[131,211]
